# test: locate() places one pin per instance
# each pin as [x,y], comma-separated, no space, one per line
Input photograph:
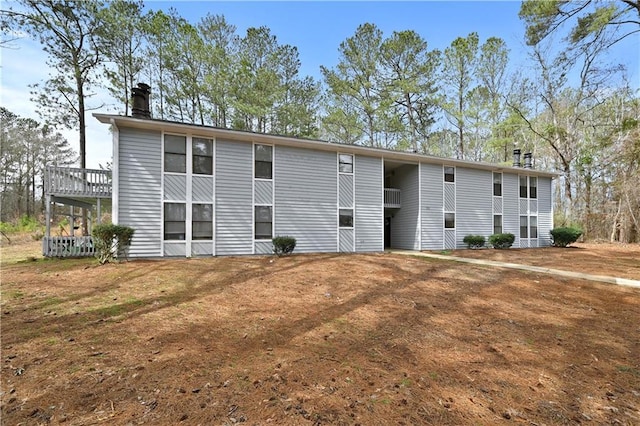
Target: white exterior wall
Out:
[306,198]
[369,220]
[139,189]
[474,204]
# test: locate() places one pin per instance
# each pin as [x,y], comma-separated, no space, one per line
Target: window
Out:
[523,187]
[523,227]
[264,162]
[263,223]
[175,215]
[202,222]
[497,184]
[497,224]
[533,227]
[202,156]
[345,163]
[449,174]
[175,154]
[449,220]
[346,218]
[533,187]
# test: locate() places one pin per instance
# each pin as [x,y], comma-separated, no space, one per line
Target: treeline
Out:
[26,148]
[572,109]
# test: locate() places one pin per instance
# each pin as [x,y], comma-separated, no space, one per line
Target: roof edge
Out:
[409,157]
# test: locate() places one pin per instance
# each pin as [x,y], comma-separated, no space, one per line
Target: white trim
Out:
[162,193]
[419,206]
[214,235]
[337,202]
[273,193]
[253,195]
[353,204]
[454,211]
[384,218]
[115,172]
[353,163]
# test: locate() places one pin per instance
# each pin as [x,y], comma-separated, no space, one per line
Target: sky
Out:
[316,28]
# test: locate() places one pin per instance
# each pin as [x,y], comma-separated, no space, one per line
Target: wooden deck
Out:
[75,182]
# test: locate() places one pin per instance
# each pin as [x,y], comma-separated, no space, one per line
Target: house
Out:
[191,190]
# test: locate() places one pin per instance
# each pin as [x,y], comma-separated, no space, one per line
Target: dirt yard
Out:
[323,339]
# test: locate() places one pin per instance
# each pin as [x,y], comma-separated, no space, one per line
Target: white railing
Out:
[78,182]
[392,198]
[67,247]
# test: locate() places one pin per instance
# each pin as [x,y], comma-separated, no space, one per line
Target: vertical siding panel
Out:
[474,203]
[432,207]
[202,188]
[511,206]
[545,215]
[369,220]
[264,247]
[346,190]
[404,225]
[234,196]
[139,194]
[306,198]
[346,240]
[175,187]
[264,192]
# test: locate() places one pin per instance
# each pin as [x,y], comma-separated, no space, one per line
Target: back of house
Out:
[191,190]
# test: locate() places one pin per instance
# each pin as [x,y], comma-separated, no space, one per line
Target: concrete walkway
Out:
[540,269]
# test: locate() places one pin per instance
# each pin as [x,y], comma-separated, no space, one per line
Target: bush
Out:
[562,237]
[283,245]
[111,241]
[502,241]
[474,241]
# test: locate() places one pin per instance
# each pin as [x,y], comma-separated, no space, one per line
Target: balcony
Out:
[391,198]
[74,182]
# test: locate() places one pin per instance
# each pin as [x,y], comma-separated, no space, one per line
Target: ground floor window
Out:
[175,216]
[346,218]
[533,227]
[449,220]
[528,227]
[263,223]
[497,224]
[202,222]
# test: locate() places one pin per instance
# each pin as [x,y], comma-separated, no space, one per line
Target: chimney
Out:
[527,160]
[140,101]
[516,158]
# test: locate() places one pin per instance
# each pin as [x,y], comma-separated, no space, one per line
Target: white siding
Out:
[368,221]
[474,204]
[175,187]
[545,214]
[139,195]
[346,240]
[346,190]
[264,247]
[234,207]
[202,188]
[405,224]
[511,206]
[201,248]
[175,249]
[263,192]
[306,198]
[432,207]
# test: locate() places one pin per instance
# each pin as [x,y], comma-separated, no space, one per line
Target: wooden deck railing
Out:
[78,182]
[67,247]
[392,198]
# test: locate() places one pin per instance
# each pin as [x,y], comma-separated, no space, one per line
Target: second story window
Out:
[533,187]
[523,187]
[175,154]
[345,163]
[263,155]
[497,184]
[449,174]
[202,156]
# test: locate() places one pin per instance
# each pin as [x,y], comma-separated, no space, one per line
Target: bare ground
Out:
[319,339]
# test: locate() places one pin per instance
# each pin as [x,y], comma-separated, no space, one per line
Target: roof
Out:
[240,135]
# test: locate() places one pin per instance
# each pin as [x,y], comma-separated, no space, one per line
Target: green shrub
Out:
[474,241]
[283,245]
[111,241]
[562,237]
[502,241]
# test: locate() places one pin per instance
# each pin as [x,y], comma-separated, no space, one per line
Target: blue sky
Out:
[315,28]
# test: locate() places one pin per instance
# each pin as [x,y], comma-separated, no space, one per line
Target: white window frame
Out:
[255,145]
